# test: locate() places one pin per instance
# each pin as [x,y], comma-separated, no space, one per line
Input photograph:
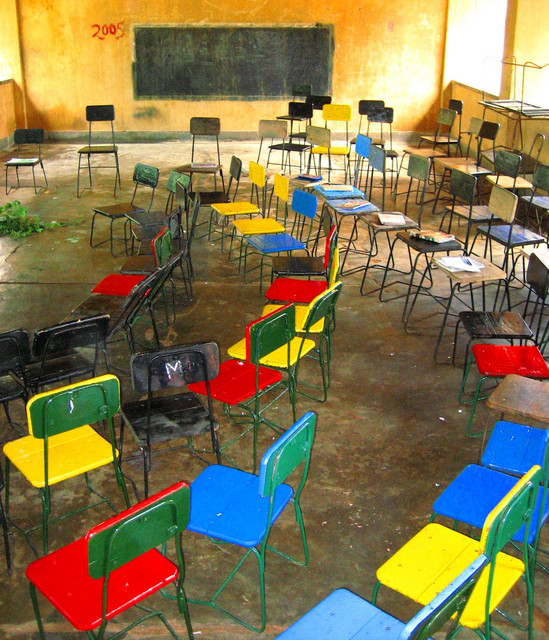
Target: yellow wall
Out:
[383,49]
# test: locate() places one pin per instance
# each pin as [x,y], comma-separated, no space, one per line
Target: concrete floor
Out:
[390,437]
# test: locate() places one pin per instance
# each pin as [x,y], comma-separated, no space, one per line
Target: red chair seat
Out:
[62,577]
[117,284]
[295,290]
[236,382]
[500,360]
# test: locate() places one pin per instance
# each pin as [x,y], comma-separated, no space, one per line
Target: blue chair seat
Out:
[475,492]
[519,236]
[515,448]
[226,504]
[344,616]
[274,243]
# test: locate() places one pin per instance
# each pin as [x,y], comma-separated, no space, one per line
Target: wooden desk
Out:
[521,397]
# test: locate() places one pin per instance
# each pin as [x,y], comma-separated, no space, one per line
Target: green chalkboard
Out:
[231,62]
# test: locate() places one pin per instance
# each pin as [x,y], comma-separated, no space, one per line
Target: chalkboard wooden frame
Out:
[230,62]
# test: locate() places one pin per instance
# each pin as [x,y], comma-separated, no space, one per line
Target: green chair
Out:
[61,443]
[115,566]
[234,507]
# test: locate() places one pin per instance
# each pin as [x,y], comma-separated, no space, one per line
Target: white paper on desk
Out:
[460,263]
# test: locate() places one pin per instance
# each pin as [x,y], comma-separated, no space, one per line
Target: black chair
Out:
[67,351]
[144,176]
[297,112]
[162,417]
[365,107]
[28,154]
[99,113]
[204,128]
[14,357]
[228,194]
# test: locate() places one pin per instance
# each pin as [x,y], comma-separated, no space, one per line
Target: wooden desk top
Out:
[522,397]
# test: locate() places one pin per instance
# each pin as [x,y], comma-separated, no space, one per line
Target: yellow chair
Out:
[61,443]
[223,212]
[323,145]
[437,554]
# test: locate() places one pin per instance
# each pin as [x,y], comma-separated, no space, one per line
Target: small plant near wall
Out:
[15,222]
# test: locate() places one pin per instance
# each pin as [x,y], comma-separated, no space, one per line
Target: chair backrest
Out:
[317,102]
[301,90]
[291,450]
[269,333]
[513,511]
[540,179]
[488,131]
[273,129]
[537,278]
[503,203]
[281,193]
[446,117]
[300,110]
[100,113]
[28,136]
[66,408]
[174,367]
[156,243]
[418,167]
[133,532]
[463,186]
[362,145]
[507,163]
[145,176]
[322,307]
[365,107]
[333,270]
[318,136]
[175,177]
[304,203]
[377,158]
[201,126]
[382,115]
[258,179]
[74,334]
[448,604]
[14,351]
[337,112]
[331,244]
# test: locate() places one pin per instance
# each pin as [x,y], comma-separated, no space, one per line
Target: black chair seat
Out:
[11,389]
[298,266]
[172,416]
[57,369]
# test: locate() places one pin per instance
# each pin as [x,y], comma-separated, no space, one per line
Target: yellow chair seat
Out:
[333,151]
[255,226]
[235,208]
[70,453]
[434,557]
[300,317]
[277,358]
[506,182]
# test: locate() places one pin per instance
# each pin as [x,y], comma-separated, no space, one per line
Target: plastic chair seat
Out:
[258,226]
[179,415]
[471,496]
[278,358]
[62,576]
[236,382]
[235,208]
[514,448]
[117,284]
[343,615]
[70,453]
[446,553]
[333,151]
[299,266]
[511,235]
[294,290]
[497,360]
[275,243]
[226,504]
[301,313]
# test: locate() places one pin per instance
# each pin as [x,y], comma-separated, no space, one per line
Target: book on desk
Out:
[438,237]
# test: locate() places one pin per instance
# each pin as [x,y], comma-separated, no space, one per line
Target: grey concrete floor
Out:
[389,438]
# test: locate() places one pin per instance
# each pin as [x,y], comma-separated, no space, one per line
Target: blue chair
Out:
[345,616]
[236,507]
[303,207]
[511,451]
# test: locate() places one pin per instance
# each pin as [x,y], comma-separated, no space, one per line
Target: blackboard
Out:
[231,62]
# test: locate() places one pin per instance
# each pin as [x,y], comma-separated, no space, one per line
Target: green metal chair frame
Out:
[62,410]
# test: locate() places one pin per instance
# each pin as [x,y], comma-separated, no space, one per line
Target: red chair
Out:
[303,291]
[499,360]
[116,566]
